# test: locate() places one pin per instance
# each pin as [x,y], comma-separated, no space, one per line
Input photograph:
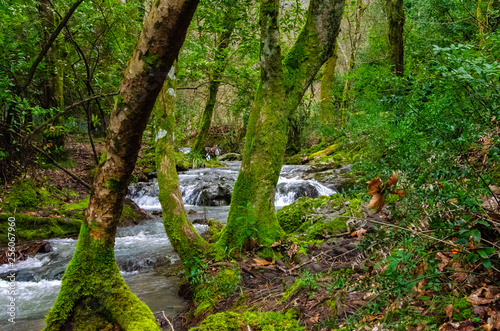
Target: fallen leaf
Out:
[359,233]
[261,262]
[374,186]
[377,201]
[314,319]
[484,295]
[448,310]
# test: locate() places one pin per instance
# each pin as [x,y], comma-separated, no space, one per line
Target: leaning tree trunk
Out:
[326,114]
[92,279]
[396,22]
[228,25]
[252,213]
[181,233]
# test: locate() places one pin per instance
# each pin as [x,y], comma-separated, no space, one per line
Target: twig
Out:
[303,264]
[168,321]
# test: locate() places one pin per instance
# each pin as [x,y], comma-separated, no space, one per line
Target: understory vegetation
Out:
[410,240]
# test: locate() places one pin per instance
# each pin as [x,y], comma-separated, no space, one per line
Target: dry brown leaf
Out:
[377,190]
[261,262]
[359,233]
[314,319]
[392,181]
[484,295]
[374,186]
[293,250]
[377,201]
[445,260]
[448,310]
[462,326]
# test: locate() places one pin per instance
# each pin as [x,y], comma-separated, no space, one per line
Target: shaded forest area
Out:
[389,109]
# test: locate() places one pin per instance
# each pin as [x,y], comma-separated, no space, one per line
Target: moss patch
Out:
[268,321]
[35,228]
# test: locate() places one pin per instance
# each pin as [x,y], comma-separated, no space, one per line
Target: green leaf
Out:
[476,235]
[486,263]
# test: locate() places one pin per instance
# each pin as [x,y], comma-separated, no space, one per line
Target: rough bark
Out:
[395,23]
[326,111]
[181,233]
[223,40]
[252,212]
[92,278]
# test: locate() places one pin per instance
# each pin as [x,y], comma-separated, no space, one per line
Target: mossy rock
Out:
[36,228]
[266,321]
[293,216]
[325,215]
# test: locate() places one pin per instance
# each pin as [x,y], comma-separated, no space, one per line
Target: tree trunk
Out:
[92,279]
[326,107]
[181,233]
[252,213]
[396,22]
[228,25]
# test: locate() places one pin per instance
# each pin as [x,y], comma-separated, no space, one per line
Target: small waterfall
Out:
[213,187]
[290,189]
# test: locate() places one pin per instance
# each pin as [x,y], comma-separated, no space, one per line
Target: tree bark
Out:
[396,22]
[326,107]
[92,279]
[252,213]
[181,233]
[228,25]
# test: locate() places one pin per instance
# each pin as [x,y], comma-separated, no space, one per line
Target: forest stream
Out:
[139,249]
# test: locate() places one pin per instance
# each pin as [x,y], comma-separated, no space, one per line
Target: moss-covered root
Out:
[93,294]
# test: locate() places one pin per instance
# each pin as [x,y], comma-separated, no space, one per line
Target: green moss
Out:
[465,310]
[333,227]
[269,253]
[102,159]
[327,151]
[35,228]
[215,230]
[24,195]
[114,185]
[267,321]
[79,205]
[293,216]
[150,60]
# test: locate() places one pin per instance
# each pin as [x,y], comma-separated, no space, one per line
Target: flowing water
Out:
[141,248]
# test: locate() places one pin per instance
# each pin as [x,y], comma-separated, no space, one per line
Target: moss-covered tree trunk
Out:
[223,40]
[93,294]
[252,213]
[326,111]
[181,233]
[395,23]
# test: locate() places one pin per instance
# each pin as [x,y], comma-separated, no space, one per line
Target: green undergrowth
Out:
[35,228]
[209,287]
[250,320]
